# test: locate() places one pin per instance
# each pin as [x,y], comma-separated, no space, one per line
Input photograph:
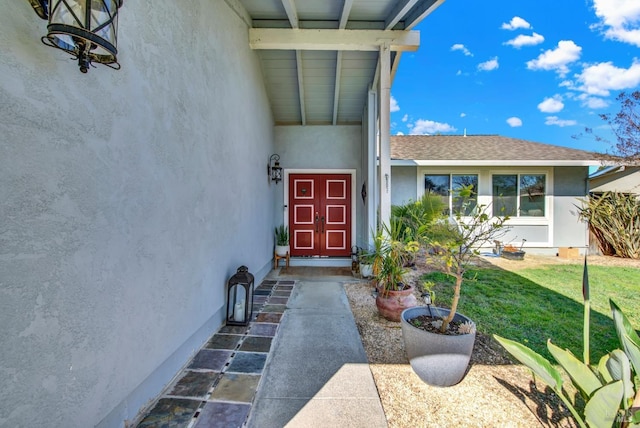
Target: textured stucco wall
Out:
[404,184]
[319,147]
[570,185]
[127,198]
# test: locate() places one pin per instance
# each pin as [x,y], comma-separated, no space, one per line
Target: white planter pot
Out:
[282,250]
[366,270]
[438,359]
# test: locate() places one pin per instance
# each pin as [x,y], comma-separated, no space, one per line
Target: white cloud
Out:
[463,114]
[393,105]
[492,64]
[557,59]
[515,23]
[399,133]
[554,120]
[599,79]
[459,72]
[593,102]
[514,122]
[551,105]
[522,40]
[619,20]
[422,127]
[462,48]
[405,117]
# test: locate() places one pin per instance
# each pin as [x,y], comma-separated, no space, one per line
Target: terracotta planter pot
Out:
[391,303]
[438,359]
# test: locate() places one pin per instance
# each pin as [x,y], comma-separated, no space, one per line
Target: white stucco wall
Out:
[127,198]
[570,186]
[403,184]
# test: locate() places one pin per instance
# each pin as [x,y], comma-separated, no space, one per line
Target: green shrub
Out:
[415,217]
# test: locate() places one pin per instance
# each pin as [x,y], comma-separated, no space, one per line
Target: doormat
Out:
[315,271]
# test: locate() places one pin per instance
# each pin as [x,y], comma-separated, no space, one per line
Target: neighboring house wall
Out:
[558,227]
[128,198]
[623,180]
[322,148]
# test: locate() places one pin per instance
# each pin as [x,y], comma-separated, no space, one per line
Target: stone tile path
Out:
[218,386]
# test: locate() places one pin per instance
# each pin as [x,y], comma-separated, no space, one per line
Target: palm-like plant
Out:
[282,235]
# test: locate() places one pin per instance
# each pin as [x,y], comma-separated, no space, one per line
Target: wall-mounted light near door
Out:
[87,29]
[274,169]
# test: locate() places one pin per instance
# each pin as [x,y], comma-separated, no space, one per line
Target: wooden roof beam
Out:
[333,40]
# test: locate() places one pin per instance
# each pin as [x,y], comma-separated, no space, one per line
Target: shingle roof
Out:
[484,149]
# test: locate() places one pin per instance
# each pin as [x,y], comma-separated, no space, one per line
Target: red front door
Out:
[320,214]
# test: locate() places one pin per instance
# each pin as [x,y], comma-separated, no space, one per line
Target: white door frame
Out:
[323,261]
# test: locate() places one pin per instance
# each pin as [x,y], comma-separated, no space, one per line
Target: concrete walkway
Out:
[317,373]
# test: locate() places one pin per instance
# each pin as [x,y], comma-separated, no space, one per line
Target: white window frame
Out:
[485,196]
[548,197]
[485,186]
[450,172]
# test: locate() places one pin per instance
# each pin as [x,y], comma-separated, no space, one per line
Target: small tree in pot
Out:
[437,354]
[456,243]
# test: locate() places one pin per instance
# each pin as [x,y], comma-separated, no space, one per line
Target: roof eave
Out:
[494,163]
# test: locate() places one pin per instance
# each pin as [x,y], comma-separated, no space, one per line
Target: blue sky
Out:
[540,71]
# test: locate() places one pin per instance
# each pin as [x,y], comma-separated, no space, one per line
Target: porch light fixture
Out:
[274,170]
[87,29]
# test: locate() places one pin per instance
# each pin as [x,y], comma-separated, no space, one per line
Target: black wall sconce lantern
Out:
[274,169]
[240,297]
[87,29]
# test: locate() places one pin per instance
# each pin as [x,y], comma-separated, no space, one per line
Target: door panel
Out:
[320,214]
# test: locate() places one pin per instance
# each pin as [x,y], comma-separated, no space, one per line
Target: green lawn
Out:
[533,305]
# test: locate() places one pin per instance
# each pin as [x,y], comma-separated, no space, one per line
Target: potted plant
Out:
[393,294]
[371,260]
[439,341]
[365,262]
[282,240]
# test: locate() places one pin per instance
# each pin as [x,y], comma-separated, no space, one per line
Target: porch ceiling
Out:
[320,58]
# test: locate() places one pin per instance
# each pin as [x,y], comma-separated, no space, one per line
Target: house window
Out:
[519,195]
[438,185]
[448,186]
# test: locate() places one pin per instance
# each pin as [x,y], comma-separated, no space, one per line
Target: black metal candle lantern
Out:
[240,297]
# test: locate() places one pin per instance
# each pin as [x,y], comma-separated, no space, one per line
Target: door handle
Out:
[322,224]
[317,220]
